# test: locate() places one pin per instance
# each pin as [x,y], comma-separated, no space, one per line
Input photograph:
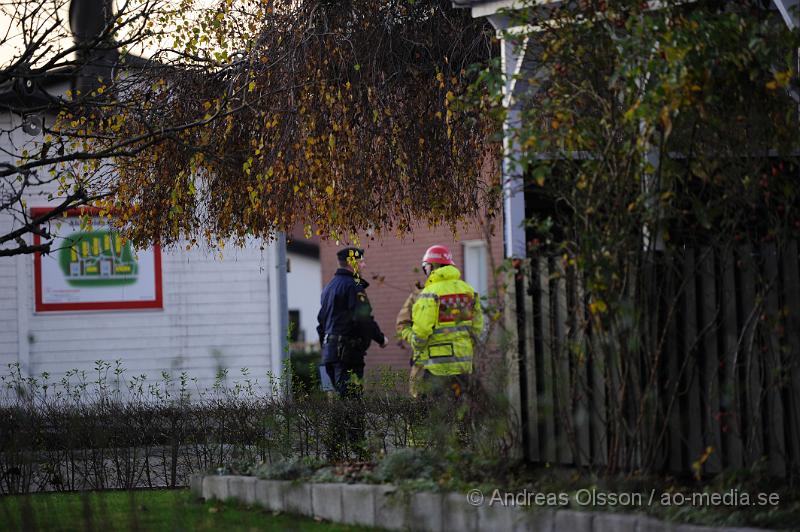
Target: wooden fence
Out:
[698,373]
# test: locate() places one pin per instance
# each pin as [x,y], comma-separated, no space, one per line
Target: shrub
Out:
[408,464]
[118,432]
[288,469]
[305,368]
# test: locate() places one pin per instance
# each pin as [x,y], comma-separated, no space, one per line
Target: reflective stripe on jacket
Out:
[446,318]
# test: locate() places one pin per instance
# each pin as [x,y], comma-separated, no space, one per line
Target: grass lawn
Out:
[173,510]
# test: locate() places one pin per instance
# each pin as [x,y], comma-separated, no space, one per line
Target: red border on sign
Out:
[104,305]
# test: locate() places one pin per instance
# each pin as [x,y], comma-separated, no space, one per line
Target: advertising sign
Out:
[91,267]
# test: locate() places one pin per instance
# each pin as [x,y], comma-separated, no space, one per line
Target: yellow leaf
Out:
[783,78]
[630,112]
[598,306]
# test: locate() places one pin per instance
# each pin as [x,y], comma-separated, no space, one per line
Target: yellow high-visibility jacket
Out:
[447,318]
[403,321]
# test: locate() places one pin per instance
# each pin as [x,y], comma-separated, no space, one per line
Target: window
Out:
[476,265]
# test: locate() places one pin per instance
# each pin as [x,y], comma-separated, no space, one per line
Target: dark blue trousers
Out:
[342,375]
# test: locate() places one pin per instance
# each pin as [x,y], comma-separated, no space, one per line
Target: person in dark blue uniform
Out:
[346,326]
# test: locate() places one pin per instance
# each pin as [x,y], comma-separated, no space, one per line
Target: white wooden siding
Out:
[8,311]
[216,315]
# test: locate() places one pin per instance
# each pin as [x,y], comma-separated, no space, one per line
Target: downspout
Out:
[279,314]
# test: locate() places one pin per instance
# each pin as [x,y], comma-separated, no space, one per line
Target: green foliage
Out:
[406,464]
[112,431]
[452,463]
[326,474]
[289,468]
[305,371]
[645,135]
[319,117]
[643,118]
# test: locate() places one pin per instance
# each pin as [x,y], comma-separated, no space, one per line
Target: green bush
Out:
[107,430]
[305,370]
[408,464]
[289,469]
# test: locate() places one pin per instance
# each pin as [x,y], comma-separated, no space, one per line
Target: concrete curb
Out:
[386,507]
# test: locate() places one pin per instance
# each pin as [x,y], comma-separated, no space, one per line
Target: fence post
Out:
[514,319]
[691,369]
[709,324]
[563,410]
[544,357]
[791,292]
[750,313]
[529,367]
[673,364]
[773,372]
[731,426]
[578,353]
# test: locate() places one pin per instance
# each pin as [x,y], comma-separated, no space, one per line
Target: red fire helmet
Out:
[438,255]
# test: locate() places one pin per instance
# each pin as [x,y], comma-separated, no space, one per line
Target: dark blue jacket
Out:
[345,312]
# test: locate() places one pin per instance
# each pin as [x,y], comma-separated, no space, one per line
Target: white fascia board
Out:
[526,29]
[487,9]
[490,8]
[501,22]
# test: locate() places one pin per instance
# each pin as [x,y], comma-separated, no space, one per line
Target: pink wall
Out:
[394,259]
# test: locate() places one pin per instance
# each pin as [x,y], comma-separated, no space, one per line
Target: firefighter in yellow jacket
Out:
[403,329]
[446,321]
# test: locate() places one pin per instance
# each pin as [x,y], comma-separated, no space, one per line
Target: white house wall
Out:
[8,312]
[216,315]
